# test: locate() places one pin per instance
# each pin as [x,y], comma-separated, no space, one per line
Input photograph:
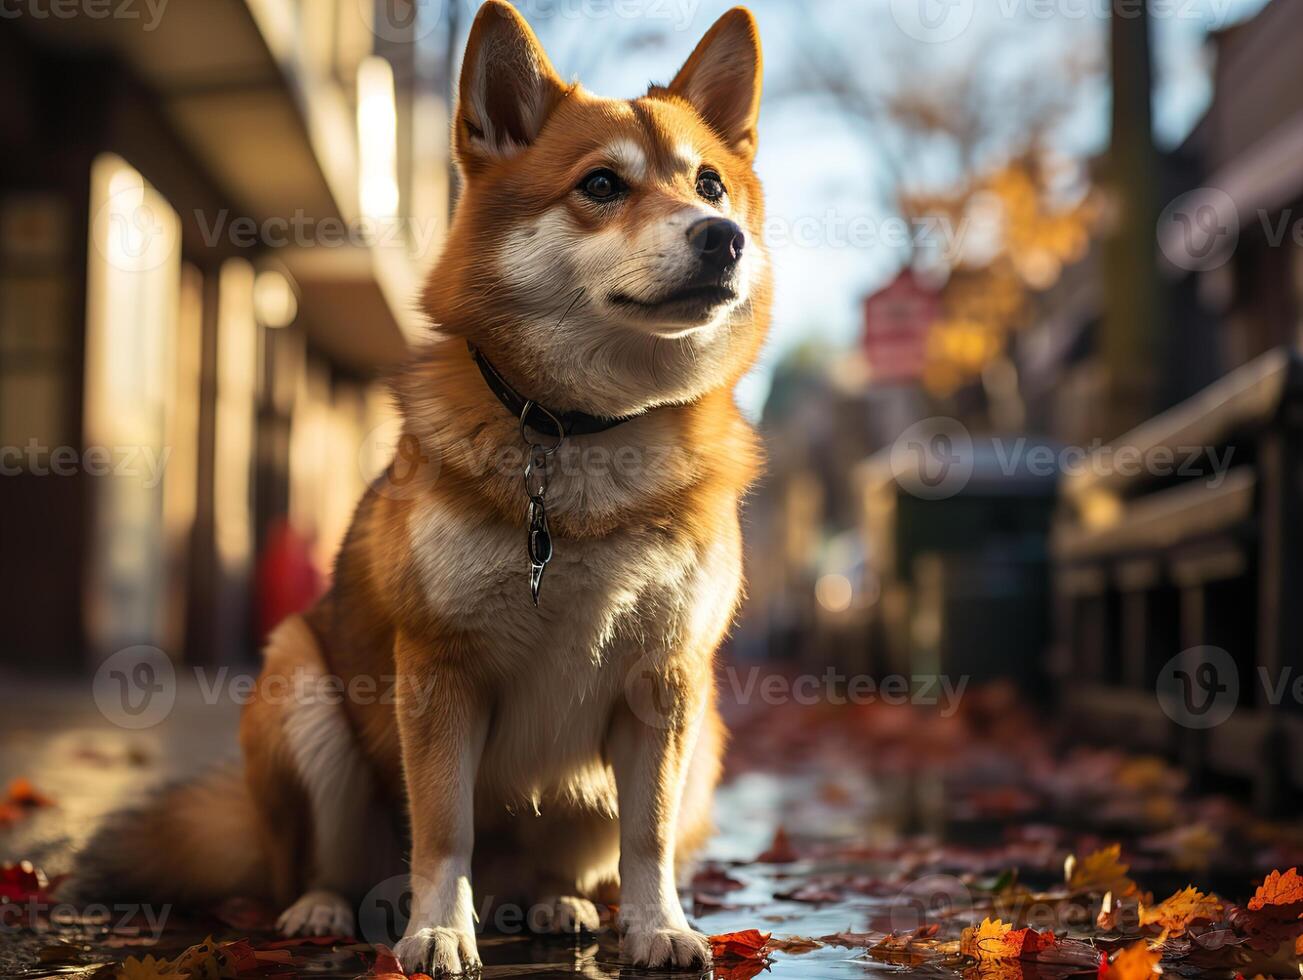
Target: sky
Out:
[832,237]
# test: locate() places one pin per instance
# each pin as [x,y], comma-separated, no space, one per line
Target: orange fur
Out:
[595,711]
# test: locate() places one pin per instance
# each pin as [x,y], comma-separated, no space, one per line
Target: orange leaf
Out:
[1136,962]
[1181,910]
[23,793]
[996,940]
[990,940]
[1278,889]
[1102,871]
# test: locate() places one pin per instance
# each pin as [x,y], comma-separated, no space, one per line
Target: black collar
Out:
[555,424]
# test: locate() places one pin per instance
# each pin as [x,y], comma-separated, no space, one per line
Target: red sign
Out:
[896,324]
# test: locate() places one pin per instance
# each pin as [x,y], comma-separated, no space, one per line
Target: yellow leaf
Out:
[1175,914]
[1102,871]
[992,940]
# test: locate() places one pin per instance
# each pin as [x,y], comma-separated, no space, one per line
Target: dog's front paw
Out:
[660,948]
[439,952]
[318,913]
[567,914]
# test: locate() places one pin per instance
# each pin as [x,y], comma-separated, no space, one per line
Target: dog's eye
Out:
[602,185]
[710,186]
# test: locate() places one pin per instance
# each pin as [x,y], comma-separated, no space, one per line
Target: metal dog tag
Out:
[540,545]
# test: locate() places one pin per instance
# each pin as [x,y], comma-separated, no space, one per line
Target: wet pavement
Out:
[854,840]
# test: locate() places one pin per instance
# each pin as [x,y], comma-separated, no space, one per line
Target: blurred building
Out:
[1230,245]
[1184,563]
[213,220]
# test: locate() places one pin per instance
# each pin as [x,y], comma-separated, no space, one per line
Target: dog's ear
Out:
[722,79]
[508,88]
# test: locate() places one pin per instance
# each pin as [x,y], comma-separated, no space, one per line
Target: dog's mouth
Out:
[688,303]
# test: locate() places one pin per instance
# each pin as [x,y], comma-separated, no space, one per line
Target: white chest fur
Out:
[609,607]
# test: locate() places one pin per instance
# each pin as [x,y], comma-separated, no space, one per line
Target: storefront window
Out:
[133,273]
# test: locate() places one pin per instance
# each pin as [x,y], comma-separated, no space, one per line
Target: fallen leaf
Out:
[202,961]
[746,944]
[812,893]
[796,945]
[988,940]
[1136,962]
[905,950]
[1278,890]
[852,940]
[740,955]
[712,903]
[23,794]
[996,940]
[386,966]
[739,969]
[239,955]
[715,880]
[780,851]
[24,882]
[1177,913]
[1101,871]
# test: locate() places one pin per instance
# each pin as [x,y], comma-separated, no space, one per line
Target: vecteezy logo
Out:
[136,687]
[1200,687]
[932,899]
[1198,231]
[383,915]
[131,232]
[933,459]
[647,695]
[933,21]
[401,21]
[394,462]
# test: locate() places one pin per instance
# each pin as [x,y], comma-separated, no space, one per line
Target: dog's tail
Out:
[191,844]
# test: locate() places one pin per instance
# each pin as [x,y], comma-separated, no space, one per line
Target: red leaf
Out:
[747,944]
[780,851]
[740,969]
[23,794]
[386,966]
[21,882]
[715,881]
[240,955]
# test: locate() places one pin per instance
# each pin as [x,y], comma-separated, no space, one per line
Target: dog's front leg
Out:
[442,724]
[652,738]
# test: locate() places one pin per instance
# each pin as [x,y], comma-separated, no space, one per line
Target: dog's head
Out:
[608,253]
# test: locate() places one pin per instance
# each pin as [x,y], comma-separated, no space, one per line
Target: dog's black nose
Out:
[718,241]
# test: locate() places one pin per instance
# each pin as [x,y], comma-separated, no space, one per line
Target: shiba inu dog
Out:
[549,565]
